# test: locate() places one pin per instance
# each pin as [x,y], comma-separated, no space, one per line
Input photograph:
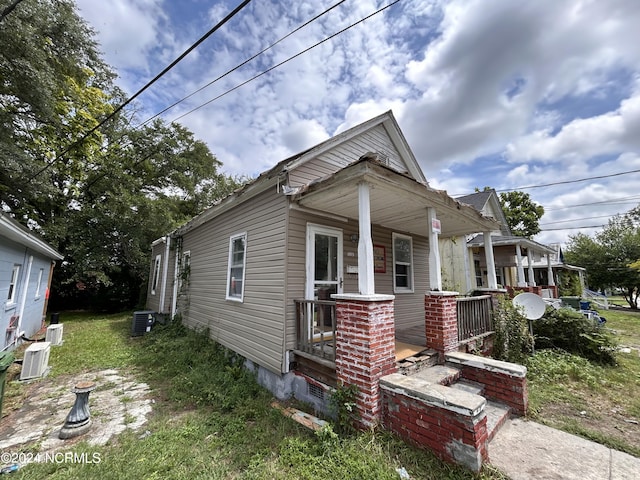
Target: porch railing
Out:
[316,328]
[475,316]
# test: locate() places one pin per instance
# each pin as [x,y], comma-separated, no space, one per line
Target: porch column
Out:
[365,349]
[435,270]
[491,263]
[521,282]
[366,284]
[532,280]
[550,280]
[441,322]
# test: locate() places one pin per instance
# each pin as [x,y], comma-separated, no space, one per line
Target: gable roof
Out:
[16,232]
[278,171]
[483,201]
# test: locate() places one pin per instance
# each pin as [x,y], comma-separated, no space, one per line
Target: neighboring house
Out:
[26,267]
[562,272]
[465,260]
[352,218]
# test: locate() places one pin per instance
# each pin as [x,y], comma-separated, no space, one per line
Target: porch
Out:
[316,325]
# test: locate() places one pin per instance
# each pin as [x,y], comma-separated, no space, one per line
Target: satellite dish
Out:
[532,305]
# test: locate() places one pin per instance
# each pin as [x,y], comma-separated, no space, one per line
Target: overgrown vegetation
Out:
[570,330]
[594,399]
[212,420]
[512,342]
[343,406]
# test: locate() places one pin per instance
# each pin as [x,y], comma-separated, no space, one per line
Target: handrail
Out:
[475,316]
[316,328]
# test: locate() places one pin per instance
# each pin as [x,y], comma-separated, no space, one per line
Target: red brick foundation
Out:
[441,322]
[365,348]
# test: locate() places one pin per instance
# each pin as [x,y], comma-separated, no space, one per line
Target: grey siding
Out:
[255,327]
[374,140]
[409,307]
[153,299]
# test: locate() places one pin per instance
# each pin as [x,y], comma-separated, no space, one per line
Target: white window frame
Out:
[156,274]
[230,265]
[13,285]
[396,288]
[39,283]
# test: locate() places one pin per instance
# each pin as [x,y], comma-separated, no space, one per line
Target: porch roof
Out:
[511,240]
[397,201]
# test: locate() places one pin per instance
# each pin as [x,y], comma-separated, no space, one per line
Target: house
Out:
[465,260]
[571,277]
[26,268]
[354,214]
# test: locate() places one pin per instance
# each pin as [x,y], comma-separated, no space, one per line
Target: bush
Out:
[512,338]
[571,331]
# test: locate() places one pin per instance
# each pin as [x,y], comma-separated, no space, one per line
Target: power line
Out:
[242,64]
[284,61]
[613,201]
[100,176]
[569,181]
[571,228]
[577,219]
[145,87]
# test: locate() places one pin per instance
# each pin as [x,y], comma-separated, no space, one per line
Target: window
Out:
[185,270]
[156,274]
[402,263]
[11,298]
[39,284]
[235,271]
[478,270]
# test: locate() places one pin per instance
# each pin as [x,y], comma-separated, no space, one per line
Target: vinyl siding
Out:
[255,327]
[373,140]
[12,253]
[409,307]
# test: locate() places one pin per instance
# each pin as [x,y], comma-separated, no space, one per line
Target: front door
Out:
[324,271]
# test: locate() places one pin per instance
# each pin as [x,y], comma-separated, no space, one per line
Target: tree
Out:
[99,199]
[609,255]
[523,214]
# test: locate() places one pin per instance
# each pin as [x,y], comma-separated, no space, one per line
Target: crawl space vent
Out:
[315,391]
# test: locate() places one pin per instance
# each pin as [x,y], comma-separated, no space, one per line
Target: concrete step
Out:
[469,386]
[439,374]
[497,415]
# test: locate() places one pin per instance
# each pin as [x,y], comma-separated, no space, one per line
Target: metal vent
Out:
[315,391]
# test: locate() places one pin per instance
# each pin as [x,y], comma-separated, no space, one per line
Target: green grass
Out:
[598,402]
[212,420]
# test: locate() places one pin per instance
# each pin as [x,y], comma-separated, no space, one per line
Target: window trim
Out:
[13,284]
[411,288]
[155,279]
[39,283]
[228,296]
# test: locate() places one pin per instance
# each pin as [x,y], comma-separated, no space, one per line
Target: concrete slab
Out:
[117,404]
[527,450]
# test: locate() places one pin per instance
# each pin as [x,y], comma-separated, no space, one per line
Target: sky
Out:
[500,93]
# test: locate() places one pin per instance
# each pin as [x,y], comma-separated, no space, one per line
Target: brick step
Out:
[469,386]
[497,415]
[439,374]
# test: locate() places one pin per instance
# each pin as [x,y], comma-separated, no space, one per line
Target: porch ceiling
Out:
[397,201]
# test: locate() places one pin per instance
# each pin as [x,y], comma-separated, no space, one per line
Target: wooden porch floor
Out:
[413,335]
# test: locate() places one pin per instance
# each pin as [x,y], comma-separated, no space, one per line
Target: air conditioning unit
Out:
[36,360]
[142,322]
[54,334]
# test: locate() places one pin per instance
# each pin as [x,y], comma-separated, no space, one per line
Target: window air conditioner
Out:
[36,360]
[54,334]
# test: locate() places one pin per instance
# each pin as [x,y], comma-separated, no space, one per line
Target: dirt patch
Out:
[600,416]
